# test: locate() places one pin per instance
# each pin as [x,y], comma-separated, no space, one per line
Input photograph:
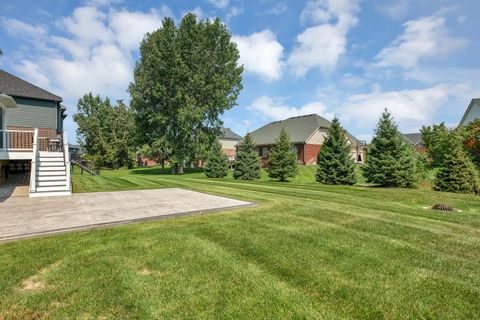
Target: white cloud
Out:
[396,9]
[233,12]
[410,108]
[274,108]
[279,8]
[221,4]
[28,67]
[261,54]
[321,45]
[16,27]
[422,38]
[87,25]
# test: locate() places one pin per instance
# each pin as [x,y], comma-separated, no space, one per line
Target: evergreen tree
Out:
[217,164]
[282,162]
[391,161]
[247,162]
[457,173]
[335,162]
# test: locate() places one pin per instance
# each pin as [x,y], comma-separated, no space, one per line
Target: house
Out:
[75,152]
[32,138]
[229,140]
[307,134]
[472,113]
[415,139]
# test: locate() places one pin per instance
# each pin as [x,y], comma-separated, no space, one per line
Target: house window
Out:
[359,158]
[265,152]
[257,149]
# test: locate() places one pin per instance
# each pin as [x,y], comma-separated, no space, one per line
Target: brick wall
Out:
[311,153]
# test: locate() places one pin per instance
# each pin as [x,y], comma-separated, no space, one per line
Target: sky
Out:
[345,58]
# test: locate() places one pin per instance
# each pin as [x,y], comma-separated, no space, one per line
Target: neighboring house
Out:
[307,134]
[32,137]
[415,139]
[472,113]
[229,140]
[75,151]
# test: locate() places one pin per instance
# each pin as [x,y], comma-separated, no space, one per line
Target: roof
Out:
[470,106]
[300,129]
[17,87]
[229,134]
[413,138]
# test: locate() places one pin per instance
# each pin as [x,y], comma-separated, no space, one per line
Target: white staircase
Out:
[50,173]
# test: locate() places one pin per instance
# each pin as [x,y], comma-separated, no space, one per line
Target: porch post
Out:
[4,128]
[33,167]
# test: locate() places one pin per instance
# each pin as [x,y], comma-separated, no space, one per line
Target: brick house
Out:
[307,134]
[229,140]
[32,141]
[415,139]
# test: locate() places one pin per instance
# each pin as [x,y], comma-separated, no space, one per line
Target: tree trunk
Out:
[180,167]
[162,162]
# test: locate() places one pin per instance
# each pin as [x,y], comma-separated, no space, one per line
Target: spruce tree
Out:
[282,161]
[247,162]
[457,172]
[217,164]
[391,161]
[335,162]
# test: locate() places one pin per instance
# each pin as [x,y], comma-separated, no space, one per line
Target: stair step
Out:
[51,163]
[51,168]
[50,194]
[50,154]
[59,183]
[51,159]
[52,188]
[51,173]
[58,177]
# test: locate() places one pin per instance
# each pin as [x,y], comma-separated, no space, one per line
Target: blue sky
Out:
[350,58]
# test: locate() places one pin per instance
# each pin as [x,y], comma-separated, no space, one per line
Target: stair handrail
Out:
[67,160]
[33,166]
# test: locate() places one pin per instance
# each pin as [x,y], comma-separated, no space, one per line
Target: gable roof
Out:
[469,108]
[14,86]
[229,134]
[300,129]
[413,138]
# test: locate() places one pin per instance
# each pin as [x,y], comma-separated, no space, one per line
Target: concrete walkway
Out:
[22,217]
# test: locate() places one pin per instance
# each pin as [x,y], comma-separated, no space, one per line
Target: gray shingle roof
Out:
[14,86]
[229,134]
[413,138]
[300,129]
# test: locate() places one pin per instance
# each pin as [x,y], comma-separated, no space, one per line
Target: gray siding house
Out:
[32,140]
[472,113]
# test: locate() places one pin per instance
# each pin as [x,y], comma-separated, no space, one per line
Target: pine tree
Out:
[217,164]
[282,162]
[391,161]
[457,173]
[335,162]
[247,162]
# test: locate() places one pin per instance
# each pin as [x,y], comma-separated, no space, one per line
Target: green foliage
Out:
[247,162]
[391,161]
[472,141]
[187,76]
[435,139]
[335,163]
[105,131]
[217,164]
[457,173]
[282,162]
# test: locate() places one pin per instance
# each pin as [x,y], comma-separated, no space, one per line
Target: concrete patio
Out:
[22,217]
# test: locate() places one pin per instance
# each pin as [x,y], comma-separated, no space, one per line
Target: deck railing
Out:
[16,140]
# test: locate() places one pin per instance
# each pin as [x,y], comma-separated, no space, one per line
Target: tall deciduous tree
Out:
[335,162]
[457,172]
[105,131]
[187,76]
[435,139]
[472,141]
[217,164]
[247,162]
[391,162]
[282,160]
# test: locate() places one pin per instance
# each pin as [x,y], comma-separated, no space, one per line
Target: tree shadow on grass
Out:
[167,172]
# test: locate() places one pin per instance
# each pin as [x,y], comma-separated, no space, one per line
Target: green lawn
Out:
[307,251]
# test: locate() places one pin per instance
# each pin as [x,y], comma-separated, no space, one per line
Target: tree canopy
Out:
[335,162]
[187,76]
[435,139]
[105,131]
[472,141]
